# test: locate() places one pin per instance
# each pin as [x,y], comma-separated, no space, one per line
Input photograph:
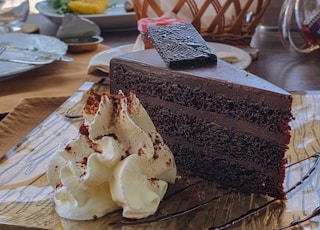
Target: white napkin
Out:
[73,26]
[101,62]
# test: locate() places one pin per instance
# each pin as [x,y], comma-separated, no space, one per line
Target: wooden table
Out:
[290,71]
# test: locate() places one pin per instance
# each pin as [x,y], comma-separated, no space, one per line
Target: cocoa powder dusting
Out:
[156,147]
[84,130]
[93,146]
[83,174]
[140,152]
[84,161]
[155,156]
[58,185]
[157,140]
[68,148]
[113,135]
[92,103]
[127,153]
[98,137]
[130,100]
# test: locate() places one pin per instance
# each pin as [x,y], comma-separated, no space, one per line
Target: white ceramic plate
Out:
[30,45]
[101,60]
[115,18]
[244,59]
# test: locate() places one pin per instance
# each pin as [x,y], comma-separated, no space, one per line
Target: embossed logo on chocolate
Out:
[181,46]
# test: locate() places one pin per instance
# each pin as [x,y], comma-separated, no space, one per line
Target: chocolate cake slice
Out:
[222,124]
[180,45]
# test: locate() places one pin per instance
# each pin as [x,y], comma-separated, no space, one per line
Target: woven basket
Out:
[226,21]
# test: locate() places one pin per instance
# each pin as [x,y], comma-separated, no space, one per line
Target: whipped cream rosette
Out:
[118,160]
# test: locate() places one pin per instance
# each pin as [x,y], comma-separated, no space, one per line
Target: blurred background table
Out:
[276,64]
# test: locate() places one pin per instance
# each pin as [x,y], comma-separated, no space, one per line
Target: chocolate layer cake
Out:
[222,123]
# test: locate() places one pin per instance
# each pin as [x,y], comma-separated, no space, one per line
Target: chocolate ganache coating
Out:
[222,123]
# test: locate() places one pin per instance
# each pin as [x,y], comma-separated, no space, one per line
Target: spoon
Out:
[43,54]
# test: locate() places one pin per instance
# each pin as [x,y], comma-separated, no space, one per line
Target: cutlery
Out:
[2,49]
[43,54]
[34,62]
[28,62]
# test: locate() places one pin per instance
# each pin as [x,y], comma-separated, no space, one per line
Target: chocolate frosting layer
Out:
[249,98]
[221,120]
[222,74]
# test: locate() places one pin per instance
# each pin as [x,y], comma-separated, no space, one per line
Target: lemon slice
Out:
[87,6]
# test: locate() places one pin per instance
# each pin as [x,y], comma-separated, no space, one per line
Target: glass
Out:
[305,16]
[13,14]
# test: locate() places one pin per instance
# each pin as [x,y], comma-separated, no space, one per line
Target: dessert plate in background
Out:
[27,47]
[114,18]
[244,59]
[101,60]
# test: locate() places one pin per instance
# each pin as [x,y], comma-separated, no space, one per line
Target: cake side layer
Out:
[176,113]
[179,115]
[210,132]
[215,140]
[205,149]
[230,173]
[266,109]
[223,72]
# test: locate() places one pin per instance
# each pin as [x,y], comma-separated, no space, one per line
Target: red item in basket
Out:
[144,23]
[252,51]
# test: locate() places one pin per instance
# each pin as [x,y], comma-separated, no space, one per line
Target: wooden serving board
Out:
[26,198]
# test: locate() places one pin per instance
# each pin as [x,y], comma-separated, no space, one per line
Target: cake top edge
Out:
[222,72]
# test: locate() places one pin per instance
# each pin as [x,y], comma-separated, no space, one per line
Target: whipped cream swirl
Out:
[118,160]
